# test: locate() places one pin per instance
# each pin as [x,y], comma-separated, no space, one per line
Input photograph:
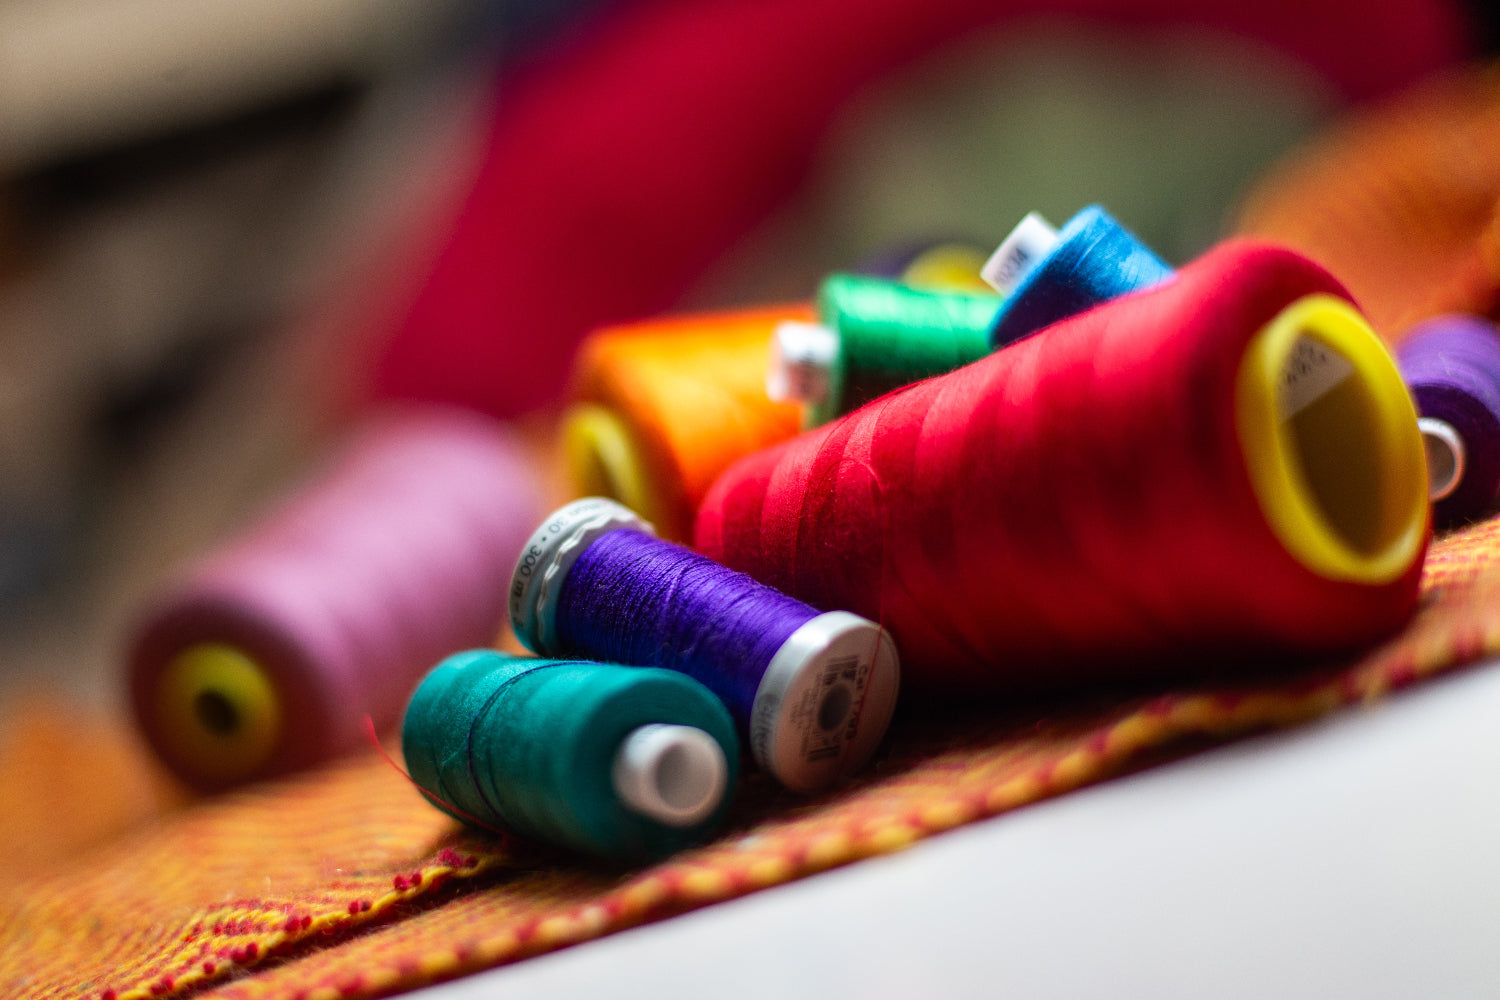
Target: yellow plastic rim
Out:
[952,267]
[1341,477]
[603,460]
[218,712]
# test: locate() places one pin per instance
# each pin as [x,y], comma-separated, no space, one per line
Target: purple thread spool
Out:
[1451,364]
[268,655]
[812,693]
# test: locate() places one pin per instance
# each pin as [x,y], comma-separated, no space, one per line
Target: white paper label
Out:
[1311,372]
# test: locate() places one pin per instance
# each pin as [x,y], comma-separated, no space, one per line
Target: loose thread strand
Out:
[374,739]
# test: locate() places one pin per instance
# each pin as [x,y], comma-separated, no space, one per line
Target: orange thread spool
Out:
[662,407]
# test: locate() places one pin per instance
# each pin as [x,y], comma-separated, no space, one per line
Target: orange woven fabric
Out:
[1402,203]
[345,884]
[106,783]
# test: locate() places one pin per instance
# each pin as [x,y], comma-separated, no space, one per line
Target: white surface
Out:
[1357,857]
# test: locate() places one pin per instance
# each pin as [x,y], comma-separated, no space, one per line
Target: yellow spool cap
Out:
[1331,444]
[217,712]
[603,459]
[948,267]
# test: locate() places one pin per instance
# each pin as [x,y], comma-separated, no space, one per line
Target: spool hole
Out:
[1339,440]
[1444,449]
[674,774]
[833,710]
[1330,440]
[680,783]
[216,712]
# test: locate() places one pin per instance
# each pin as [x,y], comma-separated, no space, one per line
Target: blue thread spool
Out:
[1451,364]
[617,762]
[1093,259]
[812,693]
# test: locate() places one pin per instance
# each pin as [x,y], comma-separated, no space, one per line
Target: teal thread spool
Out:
[623,763]
[875,335]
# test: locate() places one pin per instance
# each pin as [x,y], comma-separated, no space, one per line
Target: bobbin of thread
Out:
[548,555]
[268,653]
[1451,365]
[1048,277]
[824,700]
[623,763]
[661,407]
[1222,466]
[874,335]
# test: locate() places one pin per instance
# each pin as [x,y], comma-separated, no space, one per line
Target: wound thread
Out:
[1083,507]
[662,407]
[888,335]
[635,599]
[534,746]
[1094,260]
[811,692]
[265,656]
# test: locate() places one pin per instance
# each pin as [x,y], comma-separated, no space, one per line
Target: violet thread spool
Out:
[1451,365]
[268,654]
[811,693]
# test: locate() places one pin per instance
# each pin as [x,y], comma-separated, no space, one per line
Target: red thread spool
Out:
[270,653]
[1152,486]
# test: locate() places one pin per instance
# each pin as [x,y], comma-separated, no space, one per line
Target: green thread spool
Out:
[623,763]
[875,335]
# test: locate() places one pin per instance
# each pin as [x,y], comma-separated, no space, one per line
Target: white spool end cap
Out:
[802,359]
[676,775]
[547,557]
[1028,243]
[1446,457]
[825,701]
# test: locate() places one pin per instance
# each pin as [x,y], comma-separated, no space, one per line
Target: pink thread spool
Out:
[268,655]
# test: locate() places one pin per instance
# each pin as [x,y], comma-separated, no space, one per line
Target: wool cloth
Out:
[345,883]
